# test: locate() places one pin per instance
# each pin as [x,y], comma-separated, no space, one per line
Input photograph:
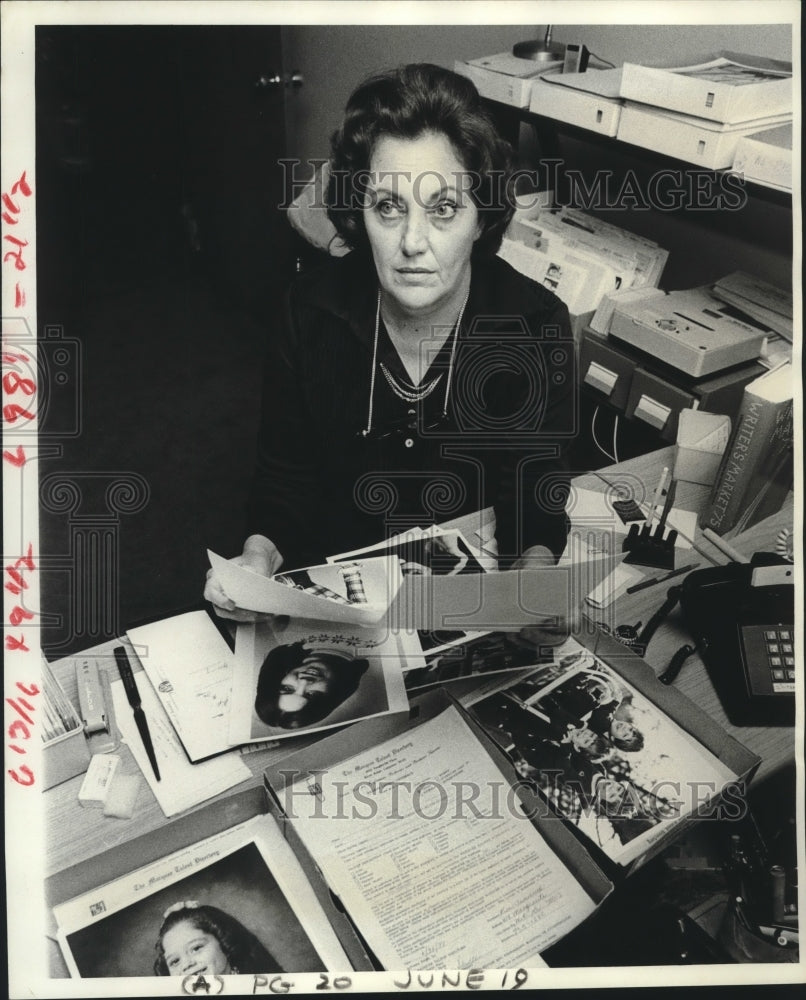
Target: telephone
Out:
[741,617]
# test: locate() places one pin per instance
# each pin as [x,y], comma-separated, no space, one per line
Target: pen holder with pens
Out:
[645,547]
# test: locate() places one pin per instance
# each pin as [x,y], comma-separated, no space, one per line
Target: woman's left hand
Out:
[535,557]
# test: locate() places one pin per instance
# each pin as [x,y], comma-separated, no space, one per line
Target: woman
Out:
[419,378]
[197,939]
[298,686]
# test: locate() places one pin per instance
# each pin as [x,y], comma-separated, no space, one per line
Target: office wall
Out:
[334,58]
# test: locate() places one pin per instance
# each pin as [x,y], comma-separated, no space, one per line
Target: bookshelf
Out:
[705,240]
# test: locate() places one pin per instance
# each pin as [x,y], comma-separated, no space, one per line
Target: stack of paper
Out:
[763,301]
[580,258]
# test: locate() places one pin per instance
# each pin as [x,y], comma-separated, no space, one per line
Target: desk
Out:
[74,834]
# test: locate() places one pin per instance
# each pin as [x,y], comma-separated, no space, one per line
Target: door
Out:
[160,251]
[157,151]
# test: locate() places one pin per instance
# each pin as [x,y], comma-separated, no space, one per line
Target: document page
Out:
[434,875]
[190,666]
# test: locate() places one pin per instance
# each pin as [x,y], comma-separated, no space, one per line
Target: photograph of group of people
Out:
[603,756]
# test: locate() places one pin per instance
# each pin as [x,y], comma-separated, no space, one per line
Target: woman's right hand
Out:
[260,555]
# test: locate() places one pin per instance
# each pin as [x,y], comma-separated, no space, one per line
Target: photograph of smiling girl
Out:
[311,676]
[188,927]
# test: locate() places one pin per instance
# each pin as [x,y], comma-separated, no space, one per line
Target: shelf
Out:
[549,130]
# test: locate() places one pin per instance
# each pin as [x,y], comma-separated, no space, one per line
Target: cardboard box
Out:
[65,757]
[589,100]
[503,77]
[371,732]
[701,440]
[685,137]
[730,87]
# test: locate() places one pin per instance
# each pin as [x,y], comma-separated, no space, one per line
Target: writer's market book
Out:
[756,471]
[728,88]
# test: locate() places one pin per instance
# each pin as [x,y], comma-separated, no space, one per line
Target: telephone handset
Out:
[741,618]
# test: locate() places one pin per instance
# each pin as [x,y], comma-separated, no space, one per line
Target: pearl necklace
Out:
[409,393]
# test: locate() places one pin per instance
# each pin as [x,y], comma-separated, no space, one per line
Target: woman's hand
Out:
[535,557]
[259,555]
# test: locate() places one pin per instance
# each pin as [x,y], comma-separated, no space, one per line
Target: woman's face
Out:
[189,950]
[311,677]
[420,220]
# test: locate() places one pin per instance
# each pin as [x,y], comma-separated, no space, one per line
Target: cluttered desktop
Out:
[424,750]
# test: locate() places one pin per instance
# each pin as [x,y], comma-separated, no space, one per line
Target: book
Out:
[753,476]
[696,140]
[766,157]
[590,100]
[503,77]
[728,88]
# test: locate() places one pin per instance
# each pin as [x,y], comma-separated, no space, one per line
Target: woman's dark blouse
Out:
[321,487]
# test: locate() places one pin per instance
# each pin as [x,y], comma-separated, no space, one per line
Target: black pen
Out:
[659,579]
[129,683]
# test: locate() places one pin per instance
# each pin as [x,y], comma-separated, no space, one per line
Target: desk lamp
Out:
[540,51]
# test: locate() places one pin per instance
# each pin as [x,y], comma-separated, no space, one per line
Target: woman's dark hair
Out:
[282,660]
[406,103]
[245,953]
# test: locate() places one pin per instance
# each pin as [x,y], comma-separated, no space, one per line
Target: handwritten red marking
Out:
[12,412]
[18,615]
[13,644]
[22,185]
[13,382]
[28,773]
[15,457]
[14,730]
